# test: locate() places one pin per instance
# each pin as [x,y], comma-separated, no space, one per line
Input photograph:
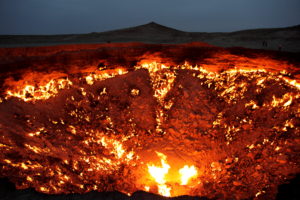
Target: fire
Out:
[33,93]
[159,173]
[43,92]
[165,185]
[162,78]
[227,126]
[164,190]
[187,172]
[104,74]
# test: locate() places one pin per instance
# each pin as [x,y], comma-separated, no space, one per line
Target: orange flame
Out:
[226,85]
[187,173]
[159,173]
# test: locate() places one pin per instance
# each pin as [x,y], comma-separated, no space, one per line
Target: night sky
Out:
[85,16]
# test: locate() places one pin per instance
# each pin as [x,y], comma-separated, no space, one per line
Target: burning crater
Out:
[172,120]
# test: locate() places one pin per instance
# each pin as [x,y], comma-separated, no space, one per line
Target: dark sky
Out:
[84,16]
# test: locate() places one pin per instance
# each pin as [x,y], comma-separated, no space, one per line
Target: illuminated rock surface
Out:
[97,117]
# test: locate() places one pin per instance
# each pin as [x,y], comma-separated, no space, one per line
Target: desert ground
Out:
[288,39]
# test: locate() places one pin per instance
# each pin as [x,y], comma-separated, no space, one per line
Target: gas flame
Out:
[101,155]
[32,93]
[187,172]
[159,173]
[105,74]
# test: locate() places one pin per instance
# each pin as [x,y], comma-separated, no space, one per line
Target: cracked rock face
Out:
[100,127]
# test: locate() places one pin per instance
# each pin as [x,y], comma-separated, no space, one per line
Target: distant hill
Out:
[150,28]
[288,38]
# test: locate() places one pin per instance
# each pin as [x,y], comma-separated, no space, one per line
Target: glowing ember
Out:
[230,130]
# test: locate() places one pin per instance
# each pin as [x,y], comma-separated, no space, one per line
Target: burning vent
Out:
[204,129]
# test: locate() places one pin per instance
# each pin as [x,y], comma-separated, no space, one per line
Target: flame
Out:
[164,190]
[187,172]
[159,173]
[32,93]
[104,153]
[285,101]
[105,74]
[147,188]
[42,92]
[162,78]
